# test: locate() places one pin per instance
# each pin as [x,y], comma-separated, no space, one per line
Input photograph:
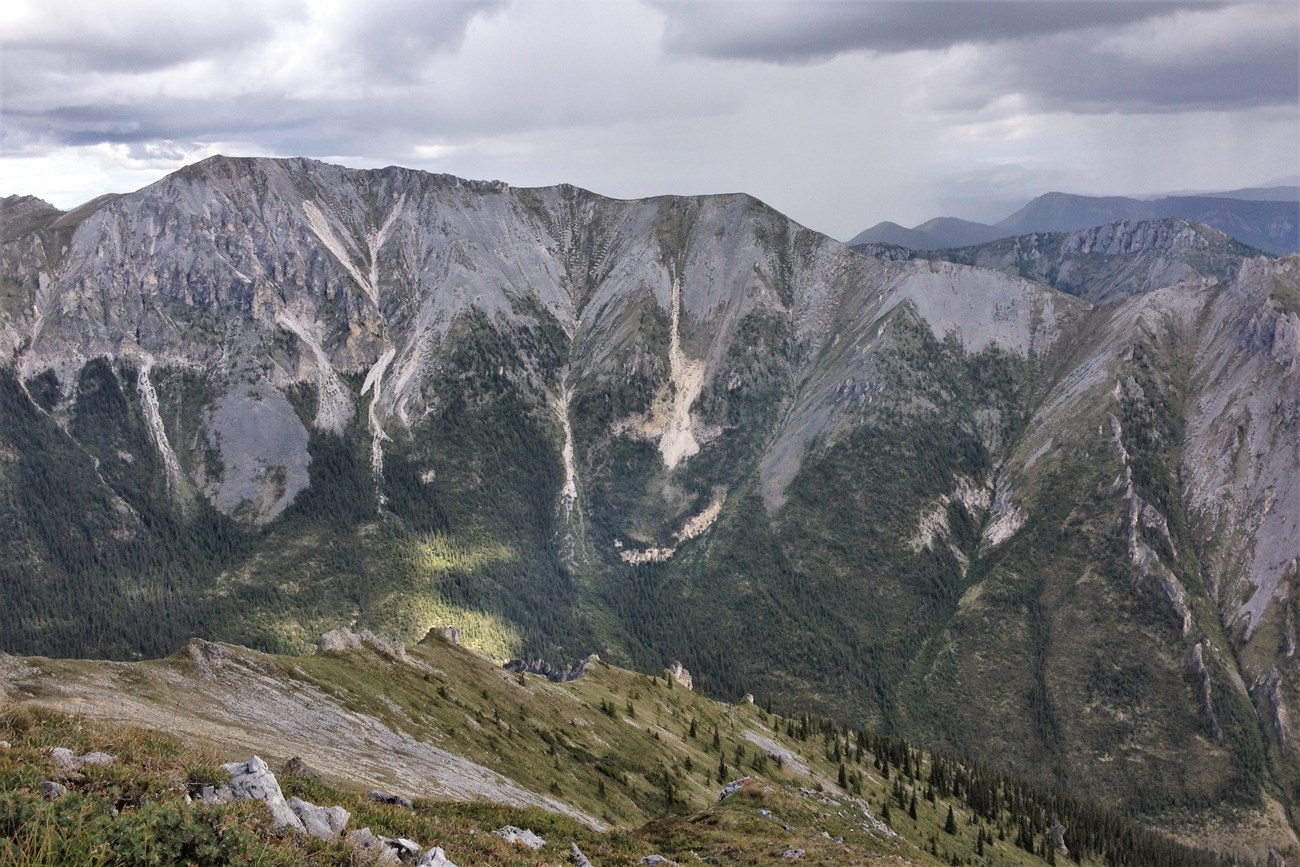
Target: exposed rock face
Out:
[572,671]
[1057,834]
[344,639]
[449,634]
[678,672]
[1201,675]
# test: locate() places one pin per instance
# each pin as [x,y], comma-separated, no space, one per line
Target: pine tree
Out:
[692,726]
[911,808]
[844,777]
[950,824]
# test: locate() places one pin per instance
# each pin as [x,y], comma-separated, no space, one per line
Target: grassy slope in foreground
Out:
[608,761]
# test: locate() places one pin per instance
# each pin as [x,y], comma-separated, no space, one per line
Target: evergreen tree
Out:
[950,824]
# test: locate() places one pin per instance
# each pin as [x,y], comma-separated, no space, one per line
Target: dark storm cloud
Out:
[1057,55]
[785,31]
[1072,74]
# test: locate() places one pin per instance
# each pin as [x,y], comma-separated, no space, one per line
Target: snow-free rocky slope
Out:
[260,399]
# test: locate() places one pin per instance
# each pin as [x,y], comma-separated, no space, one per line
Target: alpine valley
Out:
[1035,504]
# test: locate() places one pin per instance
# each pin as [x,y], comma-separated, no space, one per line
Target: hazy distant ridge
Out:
[1266,218]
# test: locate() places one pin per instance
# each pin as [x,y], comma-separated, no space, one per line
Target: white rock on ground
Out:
[435,857]
[253,780]
[372,847]
[323,822]
[522,836]
[68,760]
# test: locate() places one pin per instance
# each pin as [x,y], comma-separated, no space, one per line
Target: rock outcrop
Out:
[449,634]
[338,640]
[296,767]
[520,837]
[382,797]
[541,667]
[253,780]
[323,822]
[69,761]
[678,672]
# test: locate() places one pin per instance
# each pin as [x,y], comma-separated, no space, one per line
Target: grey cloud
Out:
[135,37]
[278,123]
[53,72]
[1071,73]
[396,38]
[785,31]
[1051,53]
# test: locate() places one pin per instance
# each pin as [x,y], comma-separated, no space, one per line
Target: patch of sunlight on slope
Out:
[481,631]
[436,554]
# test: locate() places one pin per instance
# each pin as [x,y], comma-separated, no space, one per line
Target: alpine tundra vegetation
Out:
[1035,503]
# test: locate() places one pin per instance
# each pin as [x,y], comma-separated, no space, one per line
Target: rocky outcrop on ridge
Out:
[573,671]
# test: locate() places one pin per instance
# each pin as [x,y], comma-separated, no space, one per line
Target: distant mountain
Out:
[1102,263]
[933,234]
[1274,193]
[1264,218]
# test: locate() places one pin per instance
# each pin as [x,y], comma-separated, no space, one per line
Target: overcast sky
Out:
[840,114]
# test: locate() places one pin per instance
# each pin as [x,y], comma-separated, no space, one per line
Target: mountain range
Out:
[1266,218]
[1055,531]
